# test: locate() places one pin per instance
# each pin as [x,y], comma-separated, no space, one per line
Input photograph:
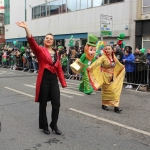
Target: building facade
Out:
[64,18]
[142,32]
[2,28]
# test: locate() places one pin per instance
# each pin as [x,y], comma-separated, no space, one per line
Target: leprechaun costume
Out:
[87,59]
[121,42]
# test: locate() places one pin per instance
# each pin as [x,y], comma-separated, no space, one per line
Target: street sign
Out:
[106,25]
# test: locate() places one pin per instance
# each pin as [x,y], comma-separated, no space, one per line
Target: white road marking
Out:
[72,91]
[30,94]
[72,83]
[9,72]
[66,95]
[19,92]
[32,86]
[110,122]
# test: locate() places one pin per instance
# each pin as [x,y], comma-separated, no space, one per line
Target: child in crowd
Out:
[4,56]
[64,61]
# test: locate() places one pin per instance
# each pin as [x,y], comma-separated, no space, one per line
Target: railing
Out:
[17,63]
[137,73]
[71,74]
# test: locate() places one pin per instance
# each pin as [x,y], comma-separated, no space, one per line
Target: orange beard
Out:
[88,57]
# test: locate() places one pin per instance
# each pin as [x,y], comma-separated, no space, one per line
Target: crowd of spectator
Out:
[136,63]
[16,58]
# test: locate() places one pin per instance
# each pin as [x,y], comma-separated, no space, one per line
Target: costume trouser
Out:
[49,91]
[85,86]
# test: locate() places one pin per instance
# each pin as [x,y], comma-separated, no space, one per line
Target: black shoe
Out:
[105,107]
[57,131]
[117,109]
[46,131]
[41,127]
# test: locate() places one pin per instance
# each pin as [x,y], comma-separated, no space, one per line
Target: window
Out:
[106,1]
[83,4]
[71,5]
[146,41]
[146,6]
[7,12]
[115,1]
[78,4]
[48,9]
[89,4]
[97,3]
[43,10]
[1,18]
[54,7]
[37,12]
[63,6]
[146,2]
[1,30]
[33,13]
[146,10]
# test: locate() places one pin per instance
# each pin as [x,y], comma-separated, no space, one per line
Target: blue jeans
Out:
[34,65]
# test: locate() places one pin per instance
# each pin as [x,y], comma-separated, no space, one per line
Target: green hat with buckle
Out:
[121,36]
[92,40]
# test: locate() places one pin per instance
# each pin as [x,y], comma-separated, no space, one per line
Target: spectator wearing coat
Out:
[118,53]
[128,60]
[148,62]
[141,67]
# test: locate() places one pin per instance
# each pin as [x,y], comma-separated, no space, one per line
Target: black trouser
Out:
[130,77]
[49,91]
[141,77]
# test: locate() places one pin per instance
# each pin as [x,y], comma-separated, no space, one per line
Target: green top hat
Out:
[92,40]
[142,50]
[121,36]
[60,47]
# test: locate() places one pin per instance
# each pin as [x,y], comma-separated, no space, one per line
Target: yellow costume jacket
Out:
[107,75]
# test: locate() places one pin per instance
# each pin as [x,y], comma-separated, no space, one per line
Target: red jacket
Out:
[45,61]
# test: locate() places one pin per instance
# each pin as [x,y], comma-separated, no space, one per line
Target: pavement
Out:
[85,126]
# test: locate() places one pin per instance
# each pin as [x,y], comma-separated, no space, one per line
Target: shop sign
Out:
[106,25]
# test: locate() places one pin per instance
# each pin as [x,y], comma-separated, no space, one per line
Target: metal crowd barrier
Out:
[137,75]
[71,74]
[18,64]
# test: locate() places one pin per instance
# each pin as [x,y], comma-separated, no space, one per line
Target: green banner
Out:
[106,33]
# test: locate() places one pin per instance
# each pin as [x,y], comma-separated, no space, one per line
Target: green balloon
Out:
[14,42]
[22,49]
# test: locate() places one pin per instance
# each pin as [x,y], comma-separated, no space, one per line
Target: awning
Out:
[57,37]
